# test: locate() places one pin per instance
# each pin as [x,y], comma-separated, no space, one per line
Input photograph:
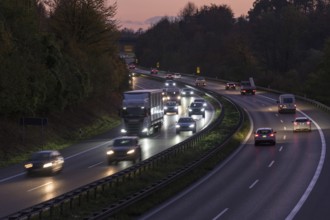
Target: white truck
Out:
[286,103]
[248,87]
[142,112]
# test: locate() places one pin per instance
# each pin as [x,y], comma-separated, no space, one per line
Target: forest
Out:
[60,61]
[283,44]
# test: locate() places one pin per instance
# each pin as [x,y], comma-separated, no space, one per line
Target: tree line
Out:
[57,53]
[283,44]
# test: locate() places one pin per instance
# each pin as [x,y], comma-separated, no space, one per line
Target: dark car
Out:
[186,124]
[46,162]
[230,85]
[196,108]
[302,124]
[169,83]
[187,92]
[264,136]
[126,148]
[169,76]
[154,71]
[171,107]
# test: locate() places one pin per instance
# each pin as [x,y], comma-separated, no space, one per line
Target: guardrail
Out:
[57,206]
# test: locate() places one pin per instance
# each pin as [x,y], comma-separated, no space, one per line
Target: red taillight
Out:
[308,122]
[256,135]
[295,123]
[272,135]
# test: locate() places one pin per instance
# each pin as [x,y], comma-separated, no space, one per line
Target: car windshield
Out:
[287,100]
[123,142]
[196,104]
[40,156]
[185,120]
[171,104]
[264,131]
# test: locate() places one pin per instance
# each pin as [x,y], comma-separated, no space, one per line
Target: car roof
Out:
[265,128]
[301,118]
[126,137]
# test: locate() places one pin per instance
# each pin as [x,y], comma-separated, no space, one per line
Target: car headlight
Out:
[190,110]
[28,165]
[177,126]
[46,165]
[183,93]
[179,97]
[144,129]
[174,84]
[176,107]
[131,151]
[203,109]
[191,126]
[166,84]
[110,152]
[191,92]
[165,107]
[123,130]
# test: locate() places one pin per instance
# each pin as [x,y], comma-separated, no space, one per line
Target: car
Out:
[169,83]
[200,81]
[230,85]
[169,76]
[177,76]
[187,92]
[44,162]
[153,71]
[185,124]
[172,93]
[125,148]
[196,108]
[171,107]
[302,124]
[264,135]
[201,100]
[131,66]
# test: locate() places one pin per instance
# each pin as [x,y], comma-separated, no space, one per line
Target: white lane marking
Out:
[281,121]
[281,148]
[316,176]
[94,165]
[284,128]
[67,158]
[276,115]
[43,185]
[220,214]
[271,163]
[253,184]
[284,137]
[206,178]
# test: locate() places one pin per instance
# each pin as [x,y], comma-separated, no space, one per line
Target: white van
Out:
[286,103]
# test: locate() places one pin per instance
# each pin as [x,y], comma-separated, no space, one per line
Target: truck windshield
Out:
[287,100]
[134,111]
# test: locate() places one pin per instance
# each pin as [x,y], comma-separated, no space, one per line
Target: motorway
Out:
[288,181]
[86,162]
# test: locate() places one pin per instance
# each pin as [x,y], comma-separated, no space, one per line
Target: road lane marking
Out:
[220,214]
[281,148]
[94,165]
[281,121]
[284,137]
[38,187]
[253,184]
[284,128]
[271,163]
[316,176]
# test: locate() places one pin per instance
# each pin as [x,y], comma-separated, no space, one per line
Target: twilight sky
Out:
[135,14]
